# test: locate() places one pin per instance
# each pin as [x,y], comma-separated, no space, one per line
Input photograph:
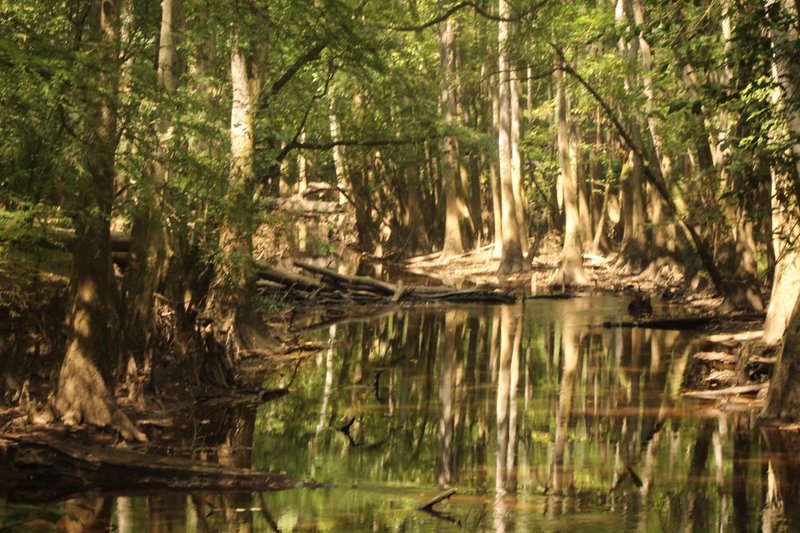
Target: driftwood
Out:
[44,468]
[335,287]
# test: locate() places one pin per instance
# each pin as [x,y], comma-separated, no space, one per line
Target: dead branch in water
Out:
[428,506]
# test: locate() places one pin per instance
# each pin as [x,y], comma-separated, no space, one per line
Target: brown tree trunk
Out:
[785,195]
[453,244]
[516,165]
[783,399]
[494,173]
[85,389]
[148,251]
[571,271]
[511,258]
[236,326]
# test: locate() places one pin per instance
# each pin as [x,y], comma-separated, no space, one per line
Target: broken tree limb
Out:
[428,506]
[351,281]
[286,278]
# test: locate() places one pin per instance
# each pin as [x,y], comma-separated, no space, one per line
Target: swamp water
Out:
[541,418]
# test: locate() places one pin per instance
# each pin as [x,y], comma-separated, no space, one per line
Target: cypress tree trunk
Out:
[85,388]
[453,243]
[571,271]
[785,188]
[494,173]
[148,255]
[516,165]
[236,325]
[511,259]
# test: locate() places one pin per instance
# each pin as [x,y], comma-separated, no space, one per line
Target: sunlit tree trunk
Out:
[663,230]
[494,172]
[85,381]
[785,174]
[742,252]
[633,248]
[236,325]
[516,164]
[453,244]
[338,151]
[571,271]
[148,249]
[582,187]
[511,257]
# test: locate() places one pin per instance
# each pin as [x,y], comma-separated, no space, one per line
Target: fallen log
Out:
[349,281]
[335,287]
[44,468]
[287,279]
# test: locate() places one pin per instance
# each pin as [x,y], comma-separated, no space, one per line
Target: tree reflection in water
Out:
[541,418]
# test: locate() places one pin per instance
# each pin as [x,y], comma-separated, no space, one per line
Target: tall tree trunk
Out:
[742,250]
[85,388]
[571,271]
[338,151]
[582,187]
[511,259]
[494,172]
[633,249]
[453,244]
[783,399]
[236,325]
[516,164]
[785,174]
[148,250]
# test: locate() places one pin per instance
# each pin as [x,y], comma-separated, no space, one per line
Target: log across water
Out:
[332,285]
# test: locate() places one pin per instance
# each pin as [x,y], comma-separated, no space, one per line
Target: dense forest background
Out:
[666,133]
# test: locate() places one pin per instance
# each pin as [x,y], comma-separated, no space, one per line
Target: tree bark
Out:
[516,165]
[148,250]
[785,195]
[494,172]
[783,399]
[85,390]
[571,270]
[453,244]
[511,258]
[236,327]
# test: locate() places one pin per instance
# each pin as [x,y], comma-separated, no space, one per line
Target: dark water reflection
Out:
[541,418]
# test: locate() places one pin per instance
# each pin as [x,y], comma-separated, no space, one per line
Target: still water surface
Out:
[542,420]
